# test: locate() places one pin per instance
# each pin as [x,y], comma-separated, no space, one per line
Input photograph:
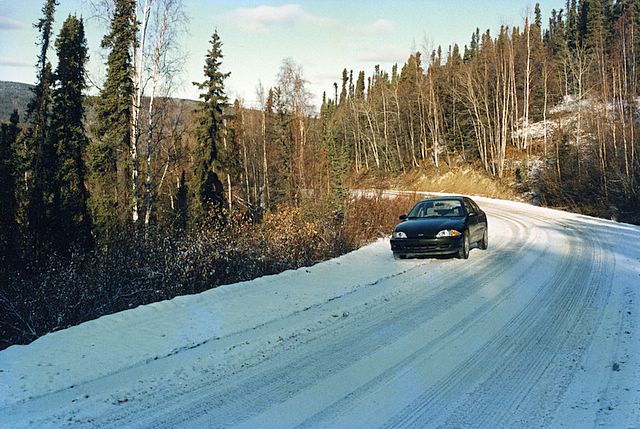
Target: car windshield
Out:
[437,208]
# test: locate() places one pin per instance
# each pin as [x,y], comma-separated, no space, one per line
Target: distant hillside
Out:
[14,95]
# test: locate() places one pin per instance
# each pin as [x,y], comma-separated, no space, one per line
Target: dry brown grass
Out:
[370,218]
[457,180]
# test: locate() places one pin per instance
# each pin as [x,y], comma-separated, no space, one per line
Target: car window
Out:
[437,208]
[469,207]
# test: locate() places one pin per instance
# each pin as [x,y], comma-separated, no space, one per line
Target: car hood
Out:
[429,227]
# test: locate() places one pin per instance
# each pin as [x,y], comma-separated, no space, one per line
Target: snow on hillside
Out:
[540,330]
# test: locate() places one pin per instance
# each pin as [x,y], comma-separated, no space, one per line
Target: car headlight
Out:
[399,234]
[448,233]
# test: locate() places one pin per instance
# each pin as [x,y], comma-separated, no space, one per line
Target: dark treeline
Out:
[142,197]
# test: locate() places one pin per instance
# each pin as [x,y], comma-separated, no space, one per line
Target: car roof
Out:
[452,197]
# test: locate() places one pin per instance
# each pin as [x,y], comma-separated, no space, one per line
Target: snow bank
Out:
[112,343]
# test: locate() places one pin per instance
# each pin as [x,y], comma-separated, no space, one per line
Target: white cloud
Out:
[15,63]
[377,27]
[261,19]
[10,24]
[382,54]
[383,25]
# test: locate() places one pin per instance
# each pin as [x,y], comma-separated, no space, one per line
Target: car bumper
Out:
[426,246]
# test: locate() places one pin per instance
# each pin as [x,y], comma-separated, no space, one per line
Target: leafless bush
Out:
[44,297]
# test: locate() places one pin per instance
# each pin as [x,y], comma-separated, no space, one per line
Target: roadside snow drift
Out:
[539,330]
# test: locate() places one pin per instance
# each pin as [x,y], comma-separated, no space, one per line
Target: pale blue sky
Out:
[324,36]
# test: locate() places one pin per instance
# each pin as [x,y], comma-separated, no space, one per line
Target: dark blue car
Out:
[441,226]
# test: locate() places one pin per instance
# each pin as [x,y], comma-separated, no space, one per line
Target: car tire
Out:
[399,256]
[463,253]
[484,243]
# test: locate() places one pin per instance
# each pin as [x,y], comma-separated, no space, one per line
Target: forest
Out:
[132,196]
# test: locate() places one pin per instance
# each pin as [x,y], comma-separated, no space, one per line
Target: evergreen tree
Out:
[359,91]
[8,204]
[108,161]
[595,27]
[41,154]
[337,159]
[538,16]
[231,153]
[471,51]
[343,92]
[572,25]
[583,19]
[69,134]
[206,188]
[351,85]
[181,212]
[555,36]
[280,151]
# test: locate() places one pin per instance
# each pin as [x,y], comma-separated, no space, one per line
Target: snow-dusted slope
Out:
[541,330]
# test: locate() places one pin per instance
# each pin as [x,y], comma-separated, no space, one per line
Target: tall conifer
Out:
[206,187]
[343,91]
[572,25]
[337,159]
[108,154]
[41,154]
[69,134]
[8,205]
[595,27]
[181,213]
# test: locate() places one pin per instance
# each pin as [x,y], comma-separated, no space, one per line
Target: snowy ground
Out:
[541,330]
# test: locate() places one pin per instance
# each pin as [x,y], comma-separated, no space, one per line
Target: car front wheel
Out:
[463,253]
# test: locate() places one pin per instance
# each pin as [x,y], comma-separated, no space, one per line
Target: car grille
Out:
[422,245]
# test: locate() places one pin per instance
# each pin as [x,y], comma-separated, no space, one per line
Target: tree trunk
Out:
[138,70]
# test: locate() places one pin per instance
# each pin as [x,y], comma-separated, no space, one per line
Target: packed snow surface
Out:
[540,330]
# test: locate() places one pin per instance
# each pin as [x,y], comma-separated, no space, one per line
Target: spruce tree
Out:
[595,28]
[360,86]
[8,204]
[41,154]
[337,160]
[538,16]
[284,165]
[279,151]
[275,138]
[181,213]
[343,91]
[207,192]
[231,153]
[108,160]
[583,19]
[68,132]
[572,25]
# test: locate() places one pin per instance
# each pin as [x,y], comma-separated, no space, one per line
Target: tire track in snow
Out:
[424,354]
[509,264]
[537,349]
[263,389]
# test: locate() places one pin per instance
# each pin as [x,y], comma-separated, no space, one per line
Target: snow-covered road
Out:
[541,330]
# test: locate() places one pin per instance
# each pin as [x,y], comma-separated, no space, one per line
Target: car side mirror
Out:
[471,214]
[403,217]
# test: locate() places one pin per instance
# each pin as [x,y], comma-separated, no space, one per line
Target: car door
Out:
[482,218]
[473,220]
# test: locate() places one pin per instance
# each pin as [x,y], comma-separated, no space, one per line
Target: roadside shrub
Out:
[63,291]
